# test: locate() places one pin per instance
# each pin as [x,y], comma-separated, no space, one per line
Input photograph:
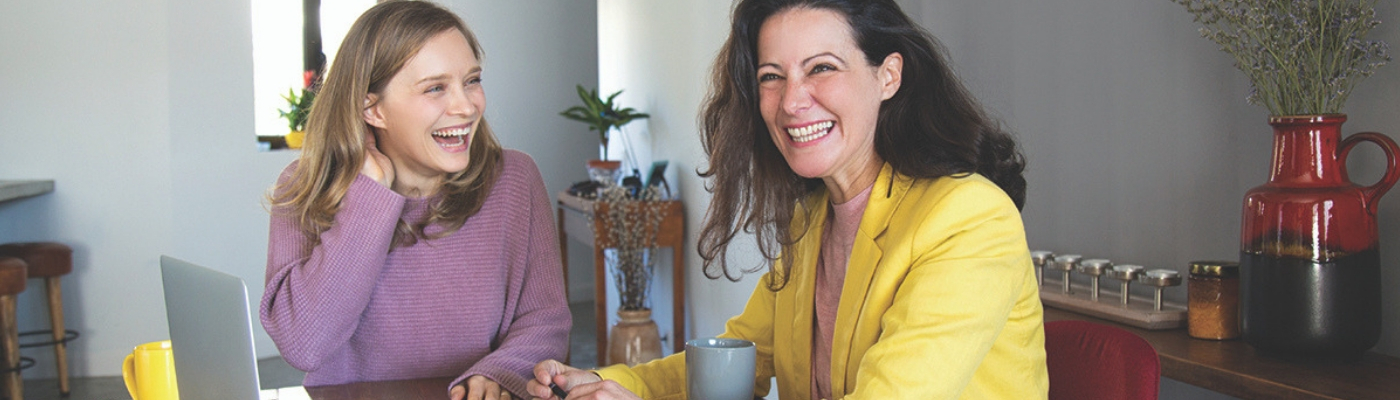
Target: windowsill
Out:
[273,143]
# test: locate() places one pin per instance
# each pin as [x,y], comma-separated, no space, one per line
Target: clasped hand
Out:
[579,383]
[478,387]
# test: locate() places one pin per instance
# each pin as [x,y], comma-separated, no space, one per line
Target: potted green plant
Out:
[1309,264]
[298,108]
[602,115]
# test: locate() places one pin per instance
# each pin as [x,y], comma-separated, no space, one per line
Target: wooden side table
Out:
[575,221]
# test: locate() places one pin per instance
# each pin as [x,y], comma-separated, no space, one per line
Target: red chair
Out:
[1089,361]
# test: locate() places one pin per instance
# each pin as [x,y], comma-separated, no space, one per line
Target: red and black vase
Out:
[1309,256]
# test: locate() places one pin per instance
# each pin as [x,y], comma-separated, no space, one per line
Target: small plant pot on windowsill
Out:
[295,139]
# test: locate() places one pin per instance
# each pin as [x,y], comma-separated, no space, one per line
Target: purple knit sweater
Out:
[486,300]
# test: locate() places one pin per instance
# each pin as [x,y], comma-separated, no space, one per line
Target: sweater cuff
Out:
[372,191]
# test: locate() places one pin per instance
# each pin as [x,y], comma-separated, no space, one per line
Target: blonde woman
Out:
[405,243]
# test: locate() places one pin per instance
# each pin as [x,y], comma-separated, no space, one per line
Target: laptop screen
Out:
[211,332]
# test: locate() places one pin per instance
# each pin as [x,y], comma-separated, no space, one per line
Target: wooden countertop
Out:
[18,189]
[409,389]
[1232,367]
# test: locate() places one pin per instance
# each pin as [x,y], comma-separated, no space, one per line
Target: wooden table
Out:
[1232,367]
[15,190]
[412,389]
[576,221]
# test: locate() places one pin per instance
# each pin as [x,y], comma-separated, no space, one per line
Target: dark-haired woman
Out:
[886,202]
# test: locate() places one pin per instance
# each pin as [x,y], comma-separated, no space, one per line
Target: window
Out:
[285,45]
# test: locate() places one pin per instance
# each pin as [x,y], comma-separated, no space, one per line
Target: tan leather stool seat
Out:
[13,273]
[45,259]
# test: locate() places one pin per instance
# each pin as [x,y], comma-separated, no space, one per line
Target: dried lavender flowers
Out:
[1302,57]
[632,224]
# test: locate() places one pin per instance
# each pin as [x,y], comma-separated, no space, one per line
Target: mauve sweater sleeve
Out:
[539,329]
[314,296]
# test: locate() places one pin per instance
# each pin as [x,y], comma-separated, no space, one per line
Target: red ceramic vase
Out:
[1309,262]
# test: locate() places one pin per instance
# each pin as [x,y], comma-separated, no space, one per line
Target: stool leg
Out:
[60,349]
[13,384]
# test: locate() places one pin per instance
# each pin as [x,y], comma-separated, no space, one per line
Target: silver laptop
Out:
[211,333]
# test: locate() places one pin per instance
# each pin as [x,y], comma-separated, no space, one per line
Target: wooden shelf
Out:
[1138,312]
[1232,367]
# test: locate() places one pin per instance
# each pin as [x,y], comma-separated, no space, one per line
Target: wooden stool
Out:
[12,277]
[50,261]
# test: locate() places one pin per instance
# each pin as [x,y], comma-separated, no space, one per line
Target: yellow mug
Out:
[149,372]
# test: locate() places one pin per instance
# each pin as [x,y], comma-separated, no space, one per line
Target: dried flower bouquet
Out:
[1302,57]
[632,223]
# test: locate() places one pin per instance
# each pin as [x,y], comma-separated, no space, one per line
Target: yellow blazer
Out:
[940,302]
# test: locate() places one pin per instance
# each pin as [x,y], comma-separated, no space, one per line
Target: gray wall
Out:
[1141,145]
[141,111]
[1139,139]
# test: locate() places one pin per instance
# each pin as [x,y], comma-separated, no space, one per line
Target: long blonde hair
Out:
[377,46]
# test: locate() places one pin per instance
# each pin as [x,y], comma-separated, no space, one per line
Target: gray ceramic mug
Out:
[719,369]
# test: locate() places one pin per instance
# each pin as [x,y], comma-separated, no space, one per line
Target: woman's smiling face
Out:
[818,95]
[428,112]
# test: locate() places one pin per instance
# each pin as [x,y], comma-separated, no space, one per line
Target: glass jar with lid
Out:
[1213,300]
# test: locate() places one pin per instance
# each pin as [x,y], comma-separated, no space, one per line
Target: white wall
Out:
[1139,139]
[536,51]
[141,113]
[87,104]
[660,53]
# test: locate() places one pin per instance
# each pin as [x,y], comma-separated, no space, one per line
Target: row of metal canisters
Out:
[1098,267]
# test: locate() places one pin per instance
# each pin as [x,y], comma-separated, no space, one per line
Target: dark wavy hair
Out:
[931,128]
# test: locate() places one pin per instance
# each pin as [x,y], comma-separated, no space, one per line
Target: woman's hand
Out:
[601,390]
[377,165]
[478,387]
[579,383]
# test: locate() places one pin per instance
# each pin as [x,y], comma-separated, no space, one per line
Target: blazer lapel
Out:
[802,299]
[860,269]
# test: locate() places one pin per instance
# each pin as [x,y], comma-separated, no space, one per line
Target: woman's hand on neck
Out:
[380,168]
[377,165]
